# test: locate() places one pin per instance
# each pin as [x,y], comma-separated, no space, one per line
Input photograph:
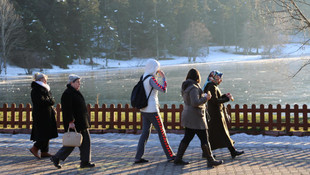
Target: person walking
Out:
[44,125]
[75,116]
[150,114]
[218,129]
[193,118]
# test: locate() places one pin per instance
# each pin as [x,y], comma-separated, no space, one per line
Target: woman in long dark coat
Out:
[44,125]
[218,131]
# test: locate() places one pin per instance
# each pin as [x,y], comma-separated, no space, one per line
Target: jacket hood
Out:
[187,85]
[151,67]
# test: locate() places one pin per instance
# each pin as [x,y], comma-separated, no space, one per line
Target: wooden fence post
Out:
[96,111]
[305,117]
[270,117]
[28,121]
[296,117]
[245,116]
[58,109]
[20,115]
[5,115]
[253,116]
[279,118]
[237,114]
[262,116]
[13,107]
[287,118]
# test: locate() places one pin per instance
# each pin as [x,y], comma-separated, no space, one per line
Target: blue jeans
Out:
[149,120]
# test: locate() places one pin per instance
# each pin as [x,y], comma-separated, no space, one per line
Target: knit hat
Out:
[72,78]
[38,75]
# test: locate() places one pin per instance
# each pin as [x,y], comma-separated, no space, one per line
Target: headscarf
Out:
[211,77]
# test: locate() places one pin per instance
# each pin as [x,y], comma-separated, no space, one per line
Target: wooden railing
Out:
[275,120]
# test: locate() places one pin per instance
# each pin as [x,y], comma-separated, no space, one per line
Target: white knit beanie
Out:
[72,78]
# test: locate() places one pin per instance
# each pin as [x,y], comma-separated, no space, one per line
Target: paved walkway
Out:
[15,158]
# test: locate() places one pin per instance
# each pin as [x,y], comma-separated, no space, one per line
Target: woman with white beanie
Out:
[150,114]
[44,125]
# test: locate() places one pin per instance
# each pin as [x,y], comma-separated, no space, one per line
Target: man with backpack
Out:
[150,113]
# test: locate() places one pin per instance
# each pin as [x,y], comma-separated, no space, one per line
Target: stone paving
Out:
[15,158]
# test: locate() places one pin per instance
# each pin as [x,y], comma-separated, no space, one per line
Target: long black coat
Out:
[219,136]
[43,115]
[74,109]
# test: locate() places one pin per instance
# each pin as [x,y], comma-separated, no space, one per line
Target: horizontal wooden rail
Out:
[279,120]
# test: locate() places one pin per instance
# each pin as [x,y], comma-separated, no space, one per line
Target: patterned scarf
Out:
[211,78]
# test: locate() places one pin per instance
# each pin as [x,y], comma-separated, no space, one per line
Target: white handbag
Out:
[72,139]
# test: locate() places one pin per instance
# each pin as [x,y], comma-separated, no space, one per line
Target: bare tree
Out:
[293,14]
[196,36]
[11,32]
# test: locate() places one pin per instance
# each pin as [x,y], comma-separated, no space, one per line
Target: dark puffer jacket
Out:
[43,115]
[74,109]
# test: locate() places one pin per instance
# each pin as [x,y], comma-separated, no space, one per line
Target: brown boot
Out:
[45,154]
[34,150]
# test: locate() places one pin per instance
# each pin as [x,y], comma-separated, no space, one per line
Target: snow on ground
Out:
[216,54]
[131,140]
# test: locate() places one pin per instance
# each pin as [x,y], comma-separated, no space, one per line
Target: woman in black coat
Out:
[218,130]
[44,125]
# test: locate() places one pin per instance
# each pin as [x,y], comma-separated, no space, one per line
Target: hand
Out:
[209,96]
[161,73]
[71,125]
[230,96]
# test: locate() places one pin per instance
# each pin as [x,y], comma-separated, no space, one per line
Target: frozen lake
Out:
[251,82]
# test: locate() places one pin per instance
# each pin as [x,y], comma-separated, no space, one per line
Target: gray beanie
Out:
[72,78]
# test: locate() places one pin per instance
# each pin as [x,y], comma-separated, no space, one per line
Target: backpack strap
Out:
[152,87]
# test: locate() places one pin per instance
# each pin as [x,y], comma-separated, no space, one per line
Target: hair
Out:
[193,74]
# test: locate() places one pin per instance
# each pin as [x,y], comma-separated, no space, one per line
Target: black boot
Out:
[55,161]
[178,159]
[234,152]
[204,154]
[86,165]
[208,154]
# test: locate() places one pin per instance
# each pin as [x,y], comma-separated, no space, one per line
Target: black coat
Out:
[74,109]
[219,136]
[43,115]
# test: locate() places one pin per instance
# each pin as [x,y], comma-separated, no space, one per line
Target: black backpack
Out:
[138,96]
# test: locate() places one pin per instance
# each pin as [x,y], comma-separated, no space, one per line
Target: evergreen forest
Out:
[42,33]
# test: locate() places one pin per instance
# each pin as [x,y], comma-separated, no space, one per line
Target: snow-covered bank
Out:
[216,55]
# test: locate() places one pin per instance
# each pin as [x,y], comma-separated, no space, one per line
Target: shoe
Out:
[45,154]
[55,161]
[141,161]
[35,151]
[236,153]
[215,163]
[87,165]
[180,162]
